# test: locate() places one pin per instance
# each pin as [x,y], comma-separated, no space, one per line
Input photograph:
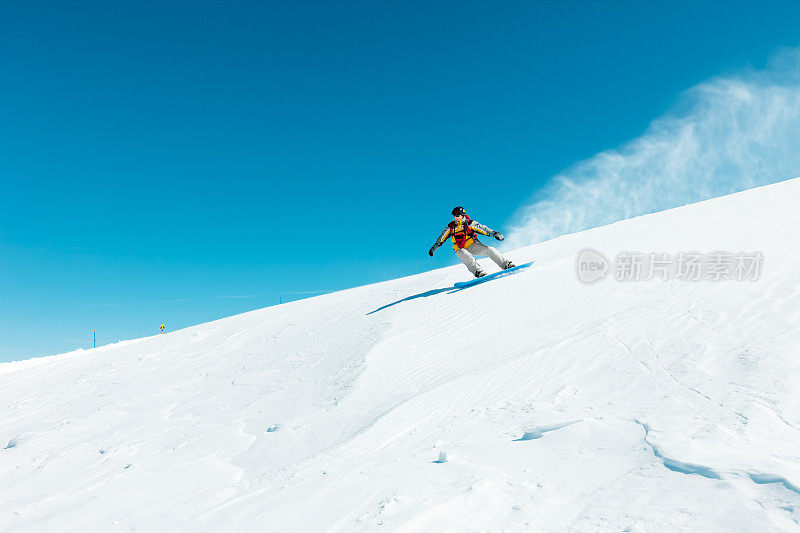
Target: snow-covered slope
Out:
[613,406]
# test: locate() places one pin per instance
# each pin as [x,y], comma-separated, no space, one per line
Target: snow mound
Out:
[549,403]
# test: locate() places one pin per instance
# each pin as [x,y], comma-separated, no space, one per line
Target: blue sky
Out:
[182,162]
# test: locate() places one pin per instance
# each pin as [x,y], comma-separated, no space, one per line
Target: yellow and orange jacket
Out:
[462,235]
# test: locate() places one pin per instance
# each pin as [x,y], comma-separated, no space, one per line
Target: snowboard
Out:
[489,277]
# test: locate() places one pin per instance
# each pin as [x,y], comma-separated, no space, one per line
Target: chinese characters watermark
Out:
[592,266]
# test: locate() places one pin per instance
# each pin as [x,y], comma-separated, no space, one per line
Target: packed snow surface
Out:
[531,401]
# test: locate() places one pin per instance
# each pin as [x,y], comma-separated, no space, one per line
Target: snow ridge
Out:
[529,401]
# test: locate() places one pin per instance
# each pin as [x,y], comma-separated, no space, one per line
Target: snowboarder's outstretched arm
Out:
[439,240]
[480,228]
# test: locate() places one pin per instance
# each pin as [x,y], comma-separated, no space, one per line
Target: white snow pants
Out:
[478,248]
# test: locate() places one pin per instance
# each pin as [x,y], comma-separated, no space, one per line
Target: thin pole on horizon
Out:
[94,338]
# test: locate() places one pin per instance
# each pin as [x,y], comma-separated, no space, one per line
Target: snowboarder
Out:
[464,231]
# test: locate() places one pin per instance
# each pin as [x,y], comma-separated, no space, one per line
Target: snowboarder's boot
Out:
[480,274]
[509,265]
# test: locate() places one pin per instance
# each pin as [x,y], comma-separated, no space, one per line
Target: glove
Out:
[433,249]
[498,236]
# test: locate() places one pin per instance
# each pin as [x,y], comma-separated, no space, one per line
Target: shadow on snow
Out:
[464,285]
[425,294]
